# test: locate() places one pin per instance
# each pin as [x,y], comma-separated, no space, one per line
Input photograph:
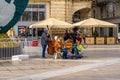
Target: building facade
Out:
[67,10]
[107,10]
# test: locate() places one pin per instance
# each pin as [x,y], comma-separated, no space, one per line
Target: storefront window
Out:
[35,6]
[41,16]
[41,6]
[34,12]
[27,16]
[35,16]
[101,32]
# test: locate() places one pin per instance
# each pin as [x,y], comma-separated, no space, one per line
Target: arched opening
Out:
[76,17]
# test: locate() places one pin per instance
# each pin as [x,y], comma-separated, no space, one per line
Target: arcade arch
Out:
[81,14]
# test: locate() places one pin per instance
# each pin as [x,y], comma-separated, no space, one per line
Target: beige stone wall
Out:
[57,9]
[69,10]
[64,9]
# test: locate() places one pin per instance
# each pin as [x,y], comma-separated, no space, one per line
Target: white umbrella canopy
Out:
[91,22]
[51,23]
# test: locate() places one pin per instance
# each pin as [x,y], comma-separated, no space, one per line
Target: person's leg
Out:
[43,51]
[65,55]
[76,51]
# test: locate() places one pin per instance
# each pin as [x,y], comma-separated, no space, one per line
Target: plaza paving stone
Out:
[14,69]
[9,69]
[111,72]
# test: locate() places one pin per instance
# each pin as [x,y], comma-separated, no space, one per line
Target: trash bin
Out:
[34,43]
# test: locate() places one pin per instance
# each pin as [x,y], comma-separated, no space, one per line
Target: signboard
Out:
[21,30]
[100,40]
[10,13]
[111,40]
[89,40]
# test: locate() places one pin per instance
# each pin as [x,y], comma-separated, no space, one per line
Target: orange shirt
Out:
[58,46]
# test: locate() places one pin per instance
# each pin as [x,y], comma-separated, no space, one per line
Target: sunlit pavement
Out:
[98,64]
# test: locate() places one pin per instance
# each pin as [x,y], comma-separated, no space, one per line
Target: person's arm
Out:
[45,37]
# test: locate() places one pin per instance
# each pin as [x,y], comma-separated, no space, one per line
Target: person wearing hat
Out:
[44,41]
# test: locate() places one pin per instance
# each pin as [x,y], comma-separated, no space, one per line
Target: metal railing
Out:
[16,46]
[7,49]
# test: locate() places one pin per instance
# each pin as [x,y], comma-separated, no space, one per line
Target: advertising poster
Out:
[21,30]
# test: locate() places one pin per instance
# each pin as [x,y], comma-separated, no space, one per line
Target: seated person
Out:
[80,47]
[75,51]
[64,52]
[68,45]
[58,44]
[58,47]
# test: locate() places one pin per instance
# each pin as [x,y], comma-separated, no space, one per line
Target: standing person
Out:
[95,34]
[82,36]
[78,38]
[67,35]
[44,41]
[74,37]
[74,34]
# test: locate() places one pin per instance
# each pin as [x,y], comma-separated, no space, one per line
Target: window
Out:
[107,14]
[101,32]
[41,6]
[94,13]
[119,27]
[101,12]
[76,17]
[35,6]
[35,16]
[34,12]
[114,11]
[27,16]
[41,15]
